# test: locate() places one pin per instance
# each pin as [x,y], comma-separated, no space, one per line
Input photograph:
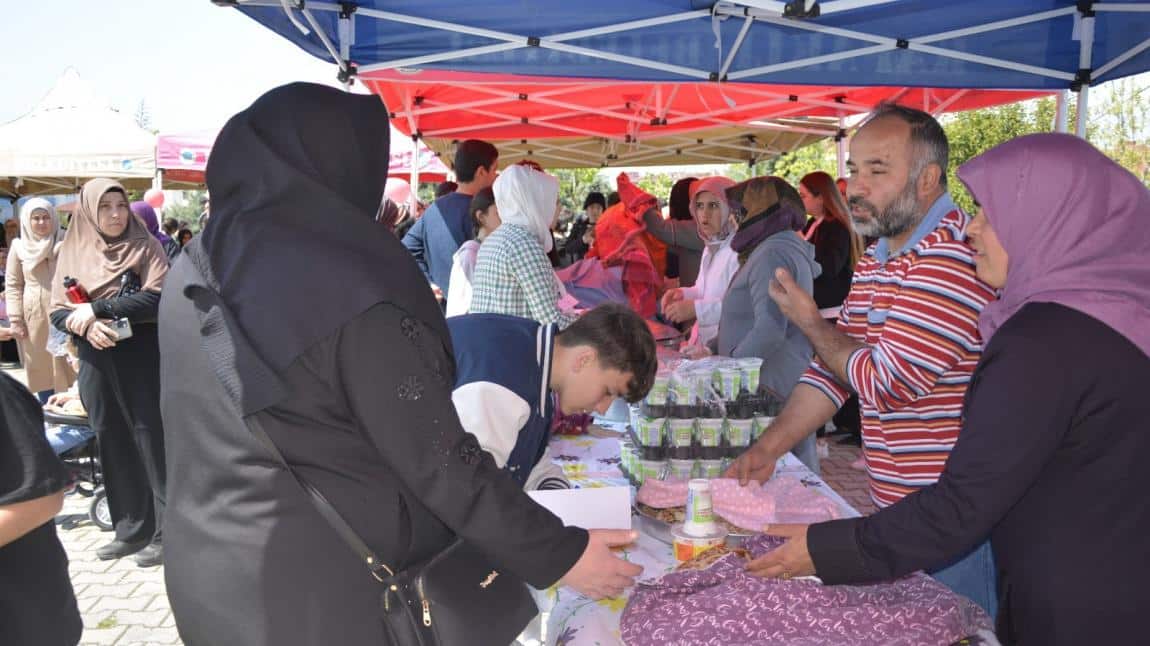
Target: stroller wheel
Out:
[99,512]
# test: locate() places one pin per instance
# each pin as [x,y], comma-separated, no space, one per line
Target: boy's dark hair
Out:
[470,155]
[623,342]
[613,198]
[171,225]
[479,204]
[445,188]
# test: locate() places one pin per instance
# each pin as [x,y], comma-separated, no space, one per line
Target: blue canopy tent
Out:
[1022,44]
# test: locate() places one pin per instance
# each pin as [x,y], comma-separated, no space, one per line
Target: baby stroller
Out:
[74,441]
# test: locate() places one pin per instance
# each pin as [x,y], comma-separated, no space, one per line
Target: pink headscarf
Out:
[717,186]
[1076,227]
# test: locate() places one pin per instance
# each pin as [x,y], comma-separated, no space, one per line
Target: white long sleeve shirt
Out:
[716,269]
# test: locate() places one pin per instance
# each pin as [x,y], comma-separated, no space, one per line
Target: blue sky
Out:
[193,64]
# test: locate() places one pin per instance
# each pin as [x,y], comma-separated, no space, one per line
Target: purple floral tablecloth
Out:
[725,606]
[569,618]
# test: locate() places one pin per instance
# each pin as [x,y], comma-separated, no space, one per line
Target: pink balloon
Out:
[154,197]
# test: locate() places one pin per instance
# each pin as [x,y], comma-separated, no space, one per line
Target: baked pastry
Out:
[708,558]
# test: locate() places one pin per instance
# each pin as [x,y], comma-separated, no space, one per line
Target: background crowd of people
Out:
[991,365]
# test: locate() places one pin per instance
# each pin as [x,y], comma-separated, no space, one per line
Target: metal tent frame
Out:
[762,41]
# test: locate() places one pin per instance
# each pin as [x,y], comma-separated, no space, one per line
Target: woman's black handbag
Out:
[455,597]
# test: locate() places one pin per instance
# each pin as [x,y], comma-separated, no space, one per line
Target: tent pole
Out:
[1062,101]
[841,147]
[1084,65]
[415,162]
[1083,110]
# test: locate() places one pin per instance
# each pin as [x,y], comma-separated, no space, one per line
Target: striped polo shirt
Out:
[917,312]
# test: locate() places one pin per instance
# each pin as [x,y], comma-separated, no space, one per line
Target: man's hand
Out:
[19,331]
[796,304]
[756,463]
[790,560]
[80,319]
[5,333]
[680,311]
[599,574]
[101,336]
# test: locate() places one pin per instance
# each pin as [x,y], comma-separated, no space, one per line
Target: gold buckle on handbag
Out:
[377,567]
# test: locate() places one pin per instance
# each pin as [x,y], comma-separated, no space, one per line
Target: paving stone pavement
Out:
[120,602]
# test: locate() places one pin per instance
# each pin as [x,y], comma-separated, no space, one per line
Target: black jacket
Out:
[1051,465]
[368,421]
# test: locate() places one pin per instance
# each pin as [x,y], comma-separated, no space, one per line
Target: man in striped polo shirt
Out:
[907,338]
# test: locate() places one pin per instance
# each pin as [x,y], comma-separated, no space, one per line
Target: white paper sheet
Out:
[591,508]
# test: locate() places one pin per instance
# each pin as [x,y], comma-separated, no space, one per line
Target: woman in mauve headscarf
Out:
[296,308]
[28,290]
[147,215]
[111,255]
[1051,459]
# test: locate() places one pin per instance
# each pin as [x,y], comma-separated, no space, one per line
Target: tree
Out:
[186,210]
[144,117]
[575,184]
[973,132]
[1124,126]
[791,166]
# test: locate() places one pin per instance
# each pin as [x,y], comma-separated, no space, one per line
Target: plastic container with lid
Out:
[680,469]
[680,432]
[710,469]
[739,432]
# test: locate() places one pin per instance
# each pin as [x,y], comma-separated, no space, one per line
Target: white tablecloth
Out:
[568,617]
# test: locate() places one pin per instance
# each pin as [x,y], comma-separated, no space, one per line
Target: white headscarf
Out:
[32,249]
[528,197]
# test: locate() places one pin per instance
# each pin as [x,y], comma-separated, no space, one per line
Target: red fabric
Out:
[636,199]
[615,229]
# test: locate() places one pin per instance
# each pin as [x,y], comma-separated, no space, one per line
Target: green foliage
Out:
[973,132]
[791,166]
[576,183]
[1124,126]
[658,184]
[186,211]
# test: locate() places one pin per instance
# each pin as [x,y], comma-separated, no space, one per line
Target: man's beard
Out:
[899,217]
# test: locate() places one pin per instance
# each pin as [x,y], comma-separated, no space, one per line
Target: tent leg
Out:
[1085,63]
[1062,101]
[1083,111]
[158,179]
[415,164]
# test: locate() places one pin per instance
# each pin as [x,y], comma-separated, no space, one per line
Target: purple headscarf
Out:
[1076,227]
[147,214]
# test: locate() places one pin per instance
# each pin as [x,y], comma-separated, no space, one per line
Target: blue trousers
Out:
[974,577]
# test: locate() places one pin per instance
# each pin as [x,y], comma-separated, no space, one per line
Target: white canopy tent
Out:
[73,135]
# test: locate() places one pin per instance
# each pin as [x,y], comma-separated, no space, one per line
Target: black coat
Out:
[1051,463]
[369,421]
[832,243]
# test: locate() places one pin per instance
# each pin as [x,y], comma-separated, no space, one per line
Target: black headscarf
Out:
[296,181]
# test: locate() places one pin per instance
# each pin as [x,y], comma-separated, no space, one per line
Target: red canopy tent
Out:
[553,119]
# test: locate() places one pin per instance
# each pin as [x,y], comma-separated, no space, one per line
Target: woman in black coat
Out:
[296,308]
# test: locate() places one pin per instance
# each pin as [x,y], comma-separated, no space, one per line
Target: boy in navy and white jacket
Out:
[511,371]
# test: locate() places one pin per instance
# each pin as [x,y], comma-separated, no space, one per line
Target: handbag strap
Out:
[325,508]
